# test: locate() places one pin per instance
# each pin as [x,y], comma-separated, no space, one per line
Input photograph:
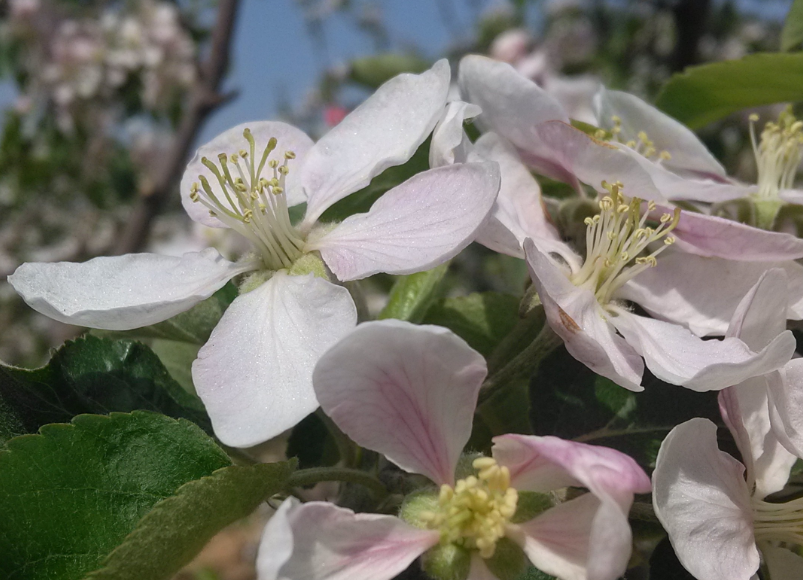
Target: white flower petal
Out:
[745,409]
[519,208]
[547,463]
[576,316]
[703,293]
[383,131]
[701,498]
[587,538]
[786,405]
[717,237]
[255,373]
[415,226]
[667,134]
[450,144]
[231,141]
[677,356]
[123,292]
[406,391]
[327,542]
[511,104]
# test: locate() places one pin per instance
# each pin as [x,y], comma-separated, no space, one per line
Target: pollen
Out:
[475,512]
[642,144]
[617,240]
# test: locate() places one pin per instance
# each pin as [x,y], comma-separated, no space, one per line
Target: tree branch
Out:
[204,98]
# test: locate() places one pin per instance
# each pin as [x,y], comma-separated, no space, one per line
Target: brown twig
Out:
[204,98]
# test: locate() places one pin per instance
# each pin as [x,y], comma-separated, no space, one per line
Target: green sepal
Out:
[416,503]
[509,561]
[447,562]
[309,264]
[530,505]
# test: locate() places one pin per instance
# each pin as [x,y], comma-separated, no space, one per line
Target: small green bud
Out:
[449,562]
[417,503]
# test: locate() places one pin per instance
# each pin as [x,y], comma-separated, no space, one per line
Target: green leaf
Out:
[177,357]
[176,529]
[70,495]
[792,33]
[412,296]
[361,201]
[193,326]
[94,375]
[482,319]
[372,71]
[703,94]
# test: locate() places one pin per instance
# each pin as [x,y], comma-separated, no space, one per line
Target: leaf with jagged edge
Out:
[72,493]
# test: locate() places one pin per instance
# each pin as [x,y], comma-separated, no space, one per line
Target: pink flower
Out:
[409,392]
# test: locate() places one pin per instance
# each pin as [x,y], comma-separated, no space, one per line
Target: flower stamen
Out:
[778,154]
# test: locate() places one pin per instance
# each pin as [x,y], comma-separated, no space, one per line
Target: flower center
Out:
[614,239]
[642,144]
[779,153]
[253,205]
[475,512]
[782,522]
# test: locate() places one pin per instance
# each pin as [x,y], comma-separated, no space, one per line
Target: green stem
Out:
[313,475]
[526,330]
[523,364]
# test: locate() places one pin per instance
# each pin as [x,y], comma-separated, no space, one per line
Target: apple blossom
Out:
[585,307]
[713,507]
[254,373]
[409,392]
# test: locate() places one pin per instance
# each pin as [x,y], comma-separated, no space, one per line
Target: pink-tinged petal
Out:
[792,195]
[519,209]
[677,356]
[450,144]
[745,409]
[546,463]
[587,538]
[782,563]
[676,187]
[761,315]
[703,293]
[255,373]
[712,236]
[576,316]
[687,151]
[406,391]
[562,152]
[415,226]
[332,543]
[786,405]
[700,497]
[232,141]
[511,104]
[123,292]
[383,131]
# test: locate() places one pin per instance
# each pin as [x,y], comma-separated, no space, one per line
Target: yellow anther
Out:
[651,205]
[623,208]
[483,462]
[617,120]
[273,163]
[284,170]
[753,117]
[194,195]
[194,187]
[233,158]
[243,153]
[665,155]
[631,144]
[666,218]
[289,155]
[588,221]
[278,190]
[669,241]
[642,136]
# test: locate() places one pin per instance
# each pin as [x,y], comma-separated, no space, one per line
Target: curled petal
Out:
[677,356]
[406,391]
[687,151]
[761,315]
[511,104]
[415,226]
[576,316]
[320,541]
[587,538]
[288,138]
[450,144]
[255,373]
[702,500]
[383,131]
[703,293]
[123,292]
[786,405]
[519,209]
[547,463]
